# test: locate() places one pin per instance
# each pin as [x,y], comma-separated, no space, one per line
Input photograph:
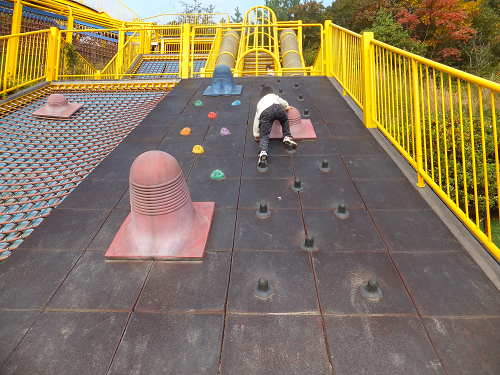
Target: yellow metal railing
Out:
[23,59]
[344,62]
[442,120]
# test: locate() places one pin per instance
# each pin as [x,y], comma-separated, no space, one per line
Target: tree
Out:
[238,17]
[391,32]
[282,8]
[442,25]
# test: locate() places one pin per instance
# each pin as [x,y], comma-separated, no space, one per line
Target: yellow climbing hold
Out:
[198,149]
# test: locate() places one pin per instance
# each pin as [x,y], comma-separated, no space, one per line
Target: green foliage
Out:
[238,17]
[282,8]
[389,31]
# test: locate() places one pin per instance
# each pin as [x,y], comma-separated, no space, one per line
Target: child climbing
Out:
[270,108]
[269,70]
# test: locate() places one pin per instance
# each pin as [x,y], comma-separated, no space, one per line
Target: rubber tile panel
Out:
[348,130]
[188,118]
[244,98]
[275,148]
[132,149]
[278,167]
[282,230]
[317,147]
[223,192]
[112,169]
[307,167]
[277,193]
[319,128]
[95,194]
[408,231]
[221,234]
[106,234]
[268,344]
[203,167]
[359,147]
[179,148]
[331,233]
[330,109]
[225,118]
[447,284]
[466,346]
[192,345]
[66,230]
[99,284]
[66,342]
[328,194]
[223,147]
[288,272]
[226,107]
[378,167]
[158,117]
[340,277]
[30,278]
[187,286]
[151,132]
[236,132]
[390,194]
[380,345]
[197,133]
[202,110]
[15,324]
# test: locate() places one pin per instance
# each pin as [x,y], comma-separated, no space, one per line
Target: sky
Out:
[147,8]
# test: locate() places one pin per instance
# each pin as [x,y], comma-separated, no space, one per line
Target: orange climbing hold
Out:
[186,131]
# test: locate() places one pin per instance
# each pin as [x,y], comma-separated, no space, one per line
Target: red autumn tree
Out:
[442,25]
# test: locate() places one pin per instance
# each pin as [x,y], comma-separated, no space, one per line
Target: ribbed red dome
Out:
[294,116]
[154,168]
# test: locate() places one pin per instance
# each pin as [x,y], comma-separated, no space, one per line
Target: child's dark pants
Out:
[267,117]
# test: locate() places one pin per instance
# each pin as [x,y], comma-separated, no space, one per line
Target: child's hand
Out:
[256,139]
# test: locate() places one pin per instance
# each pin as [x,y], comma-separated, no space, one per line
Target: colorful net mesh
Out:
[43,160]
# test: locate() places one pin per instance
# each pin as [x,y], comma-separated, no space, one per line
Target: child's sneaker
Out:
[289,141]
[263,157]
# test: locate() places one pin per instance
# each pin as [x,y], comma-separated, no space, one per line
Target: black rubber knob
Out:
[297,185]
[309,244]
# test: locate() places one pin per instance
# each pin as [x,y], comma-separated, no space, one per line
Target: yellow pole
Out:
[326,45]
[344,61]
[13,44]
[121,51]
[418,130]
[299,36]
[52,54]
[367,73]
[71,23]
[184,68]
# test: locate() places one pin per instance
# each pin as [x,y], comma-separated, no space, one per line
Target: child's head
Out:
[266,90]
[268,67]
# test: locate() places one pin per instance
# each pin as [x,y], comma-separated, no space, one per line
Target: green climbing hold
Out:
[218,175]
[198,103]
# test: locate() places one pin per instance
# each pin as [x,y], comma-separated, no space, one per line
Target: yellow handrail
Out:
[442,120]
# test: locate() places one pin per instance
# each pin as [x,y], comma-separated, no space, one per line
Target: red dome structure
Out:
[300,128]
[164,223]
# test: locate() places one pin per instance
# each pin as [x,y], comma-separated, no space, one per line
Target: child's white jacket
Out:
[262,105]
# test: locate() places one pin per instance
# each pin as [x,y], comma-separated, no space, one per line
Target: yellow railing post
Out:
[418,130]
[367,78]
[52,54]
[121,51]
[326,44]
[71,23]
[13,44]
[299,35]
[184,68]
[344,60]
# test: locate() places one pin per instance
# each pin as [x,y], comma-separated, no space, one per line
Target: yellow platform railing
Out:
[442,120]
